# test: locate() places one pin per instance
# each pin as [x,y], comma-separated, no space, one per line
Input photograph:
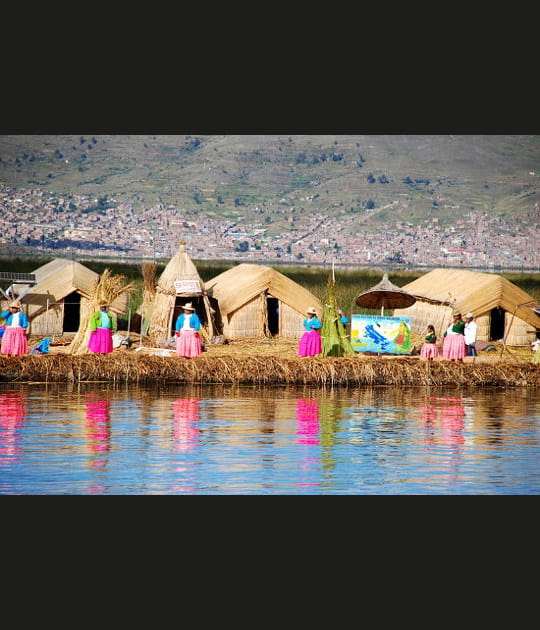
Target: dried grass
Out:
[261,369]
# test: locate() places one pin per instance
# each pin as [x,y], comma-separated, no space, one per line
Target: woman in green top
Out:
[429,349]
[454,340]
[103,327]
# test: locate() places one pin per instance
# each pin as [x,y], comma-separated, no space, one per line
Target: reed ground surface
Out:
[269,362]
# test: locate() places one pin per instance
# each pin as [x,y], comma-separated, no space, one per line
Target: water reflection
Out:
[98,434]
[233,439]
[12,417]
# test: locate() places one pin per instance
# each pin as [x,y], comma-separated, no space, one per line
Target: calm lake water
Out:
[99,439]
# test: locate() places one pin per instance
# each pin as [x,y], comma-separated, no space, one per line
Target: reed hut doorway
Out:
[197,303]
[272,306]
[72,312]
[496,324]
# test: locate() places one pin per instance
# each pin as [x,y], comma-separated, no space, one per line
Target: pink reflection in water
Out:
[12,417]
[307,431]
[98,428]
[307,421]
[185,431]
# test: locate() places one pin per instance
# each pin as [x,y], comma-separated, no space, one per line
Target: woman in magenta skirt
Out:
[429,349]
[454,340]
[103,327]
[311,342]
[188,341]
[14,339]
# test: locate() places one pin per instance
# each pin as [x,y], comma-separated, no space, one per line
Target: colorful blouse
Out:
[102,319]
[313,323]
[8,316]
[194,321]
[431,338]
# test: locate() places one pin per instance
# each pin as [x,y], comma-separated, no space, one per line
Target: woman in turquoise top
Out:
[14,339]
[311,342]
[188,341]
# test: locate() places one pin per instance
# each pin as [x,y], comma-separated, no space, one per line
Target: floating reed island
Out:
[265,370]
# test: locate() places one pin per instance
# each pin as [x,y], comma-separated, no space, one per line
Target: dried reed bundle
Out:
[107,287]
[149,275]
[335,342]
[122,367]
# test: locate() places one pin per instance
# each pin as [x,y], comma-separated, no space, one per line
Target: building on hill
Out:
[501,309]
[55,303]
[255,301]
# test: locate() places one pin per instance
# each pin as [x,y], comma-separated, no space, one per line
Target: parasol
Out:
[385,295]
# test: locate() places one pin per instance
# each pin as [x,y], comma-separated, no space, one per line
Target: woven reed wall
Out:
[248,321]
[520,333]
[49,323]
[290,322]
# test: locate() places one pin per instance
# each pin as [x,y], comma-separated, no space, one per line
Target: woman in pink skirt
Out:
[310,342]
[14,339]
[188,341]
[429,349]
[454,340]
[103,327]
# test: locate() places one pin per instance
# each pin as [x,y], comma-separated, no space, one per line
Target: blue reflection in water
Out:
[87,439]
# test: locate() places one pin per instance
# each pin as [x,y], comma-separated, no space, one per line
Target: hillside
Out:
[379,178]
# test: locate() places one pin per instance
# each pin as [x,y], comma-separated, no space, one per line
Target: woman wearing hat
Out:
[310,342]
[188,341]
[454,340]
[103,327]
[14,339]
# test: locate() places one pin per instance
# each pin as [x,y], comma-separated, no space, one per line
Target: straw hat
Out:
[188,307]
[311,311]
[103,303]
[15,305]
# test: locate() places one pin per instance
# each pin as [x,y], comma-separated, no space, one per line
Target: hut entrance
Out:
[496,325]
[72,312]
[196,302]
[272,305]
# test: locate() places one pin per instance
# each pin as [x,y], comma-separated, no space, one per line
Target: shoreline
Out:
[251,369]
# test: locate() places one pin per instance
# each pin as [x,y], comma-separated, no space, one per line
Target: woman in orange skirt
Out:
[188,341]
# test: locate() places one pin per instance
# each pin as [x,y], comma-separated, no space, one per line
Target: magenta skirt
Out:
[453,347]
[188,344]
[14,341]
[429,351]
[310,344]
[101,341]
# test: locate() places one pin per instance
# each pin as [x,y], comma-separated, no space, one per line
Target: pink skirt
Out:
[453,347]
[101,341]
[310,344]
[429,351]
[14,341]
[188,344]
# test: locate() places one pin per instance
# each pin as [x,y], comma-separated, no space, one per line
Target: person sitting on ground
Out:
[14,340]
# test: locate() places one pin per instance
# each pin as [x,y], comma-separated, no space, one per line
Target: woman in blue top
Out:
[311,342]
[14,339]
[188,341]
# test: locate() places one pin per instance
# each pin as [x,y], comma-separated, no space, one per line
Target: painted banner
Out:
[187,286]
[381,334]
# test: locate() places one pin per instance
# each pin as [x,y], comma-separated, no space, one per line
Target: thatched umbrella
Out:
[385,295]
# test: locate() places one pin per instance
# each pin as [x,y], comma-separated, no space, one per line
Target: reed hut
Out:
[61,293]
[178,284]
[255,301]
[501,309]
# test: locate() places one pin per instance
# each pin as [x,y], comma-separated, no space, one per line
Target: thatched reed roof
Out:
[385,295]
[58,279]
[473,291]
[239,285]
[180,268]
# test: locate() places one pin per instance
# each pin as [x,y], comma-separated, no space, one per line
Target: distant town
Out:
[36,223]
